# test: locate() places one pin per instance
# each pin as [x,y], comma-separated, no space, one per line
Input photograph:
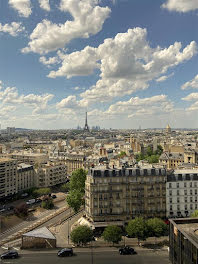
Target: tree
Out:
[65,187]
[77,180]
[47,204]
[81,235]
[156,227]
[122,154]
[42,191]
[195,214]
[113,234]
[75,200]
[137,228]
[21,210]
[153,159]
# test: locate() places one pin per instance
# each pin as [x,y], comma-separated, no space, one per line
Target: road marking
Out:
[4,247]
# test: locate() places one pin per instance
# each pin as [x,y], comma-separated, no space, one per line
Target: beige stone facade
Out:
[51,174]
[26,177]
[74,162]
[8,177]
[121,194]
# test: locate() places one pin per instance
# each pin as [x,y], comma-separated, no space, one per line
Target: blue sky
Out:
[127,62]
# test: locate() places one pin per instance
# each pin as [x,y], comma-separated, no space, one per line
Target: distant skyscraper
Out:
[86,128]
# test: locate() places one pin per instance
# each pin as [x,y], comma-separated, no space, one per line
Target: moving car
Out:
[65,252]
[127,251]
[10,254]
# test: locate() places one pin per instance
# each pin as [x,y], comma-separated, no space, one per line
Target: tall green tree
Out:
[77,180]
[137,228]
[156,227]
[42,191]
[75,200]
[195,214]
[112,234]
[81,235]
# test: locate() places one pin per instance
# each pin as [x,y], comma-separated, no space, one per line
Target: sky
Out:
[128,63]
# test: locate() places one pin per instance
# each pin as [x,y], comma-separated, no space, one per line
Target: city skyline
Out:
[124,62]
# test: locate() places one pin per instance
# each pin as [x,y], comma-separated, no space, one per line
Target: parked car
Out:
[65,252]
[54,196]
[127,251]
[23,195]
[2,210]
[38,201]
[31,201]
[10,254]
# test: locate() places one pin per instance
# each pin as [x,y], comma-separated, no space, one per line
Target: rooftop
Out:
[41,232]
[188,227]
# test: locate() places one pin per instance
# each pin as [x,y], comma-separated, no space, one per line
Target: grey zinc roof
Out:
[41,232]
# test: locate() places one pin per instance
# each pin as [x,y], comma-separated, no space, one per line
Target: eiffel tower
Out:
[86,127]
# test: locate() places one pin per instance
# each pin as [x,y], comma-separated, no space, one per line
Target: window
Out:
[186,199]
[185,192]
[190,192]
[185,184]
[186,207]
[191,199]
[170,200]
[191,206]
[196,192]
[195,206]
[178,185]
[195,184]
[191,184]
[170,193]
[171,207]
[178,200]
[177,192]
[178,207]
[170,185]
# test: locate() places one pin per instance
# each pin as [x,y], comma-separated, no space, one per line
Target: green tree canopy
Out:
[122,154]
[156,227]
[47,204]
[65,187]
[137,228]
[195,214]
[42,191]
[75,200]
[112,233]
[77,180]
[81,235]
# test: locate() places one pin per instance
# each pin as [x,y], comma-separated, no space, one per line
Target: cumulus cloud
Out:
[49,61]
[13,28]
[127,63]
[79,63]
[44,4]
[23,7]
[88,19]
[181,5]
[164,77]
[10,96]
[70,102]
[191,97]
[191,84]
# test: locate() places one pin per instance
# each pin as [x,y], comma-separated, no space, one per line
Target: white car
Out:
[31,201]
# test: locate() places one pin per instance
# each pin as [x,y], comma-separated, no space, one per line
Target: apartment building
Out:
[171,160]
[74,162]
[119,194]
[183,243]
[51,174]
[182,192]
[29,158]
[25,176]
[8,177]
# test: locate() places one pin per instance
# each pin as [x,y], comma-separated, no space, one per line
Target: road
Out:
[99,257]
[25,224]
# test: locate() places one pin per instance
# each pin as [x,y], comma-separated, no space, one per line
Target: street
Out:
[104,256]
